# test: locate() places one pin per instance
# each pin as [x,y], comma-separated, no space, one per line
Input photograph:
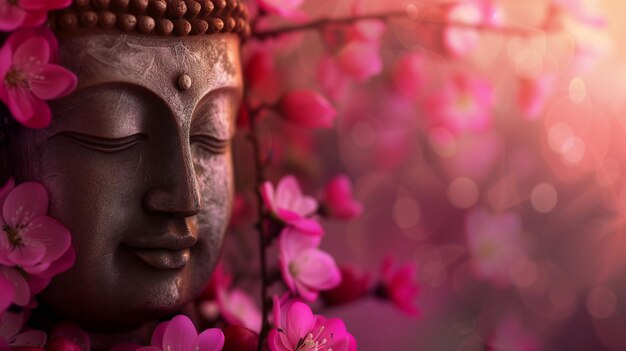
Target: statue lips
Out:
[167,252]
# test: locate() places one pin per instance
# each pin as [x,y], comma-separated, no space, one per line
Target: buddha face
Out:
[137,163]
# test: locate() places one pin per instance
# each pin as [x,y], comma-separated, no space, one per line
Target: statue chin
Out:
[137,163]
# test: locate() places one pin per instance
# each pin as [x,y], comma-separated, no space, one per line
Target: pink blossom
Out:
[28,77]
[494,243]
[180,334]
[338,201]
[289,205]
[307,108]
[27,13]
[29,238]
[21,289]
[400,285]
[360,60]
[262,77]
[305,269]
[238,308]
[409,75]
[355,284]
[301,330]
[284,8]
[463,104]
[11,332]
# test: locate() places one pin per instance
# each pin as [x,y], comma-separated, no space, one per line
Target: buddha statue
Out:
[137,160]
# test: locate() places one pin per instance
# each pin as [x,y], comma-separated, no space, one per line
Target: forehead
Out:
[156,64]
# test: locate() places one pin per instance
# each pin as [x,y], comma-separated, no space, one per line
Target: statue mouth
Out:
[166,252]
[164,259]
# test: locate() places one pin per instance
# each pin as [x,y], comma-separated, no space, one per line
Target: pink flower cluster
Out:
[29,76]
[297,328]
[33,246]
[16,14]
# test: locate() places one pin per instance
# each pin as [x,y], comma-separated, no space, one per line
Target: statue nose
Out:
[176,192]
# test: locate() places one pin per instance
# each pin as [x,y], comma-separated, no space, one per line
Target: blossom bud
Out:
[307,108]
[354,284]
[239,338]
[62,344]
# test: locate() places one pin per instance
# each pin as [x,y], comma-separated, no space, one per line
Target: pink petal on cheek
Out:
[51,233]
[11,16]
[25,202]
[56,82]
[37,112]
[209,340]
[180,334]
[61,265]
[7,293]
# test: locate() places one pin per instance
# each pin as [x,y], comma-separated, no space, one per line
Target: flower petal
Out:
[61,265]
[11,16]
[27,109]
[34,19]
[157,335]
[335,333]
[300,321]
[267,192]
[7,293]
[180,334]
[31,338]
[317,269]
[209,340]
[292,243]
[27,254]
[6,57]
[50,233]
[32,55]
[22,291]
[44,4]
[56,82]
[25,202]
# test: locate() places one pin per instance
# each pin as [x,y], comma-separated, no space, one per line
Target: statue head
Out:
[137,160]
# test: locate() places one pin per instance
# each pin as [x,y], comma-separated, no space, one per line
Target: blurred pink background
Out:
[518,228]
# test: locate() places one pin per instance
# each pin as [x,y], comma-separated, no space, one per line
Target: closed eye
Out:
[210,143]
[107,145]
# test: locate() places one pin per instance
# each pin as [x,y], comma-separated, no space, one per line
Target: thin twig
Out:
[260,227]
[386,16]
